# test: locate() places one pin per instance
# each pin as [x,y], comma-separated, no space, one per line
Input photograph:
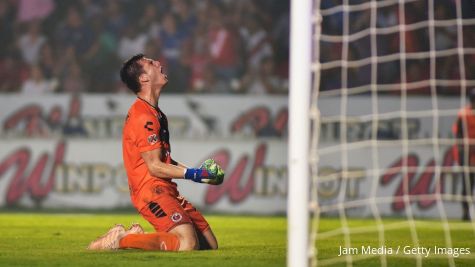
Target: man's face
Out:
[154,70]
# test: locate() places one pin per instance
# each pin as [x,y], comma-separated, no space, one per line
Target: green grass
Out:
[38,239]
[397,234]
[35,239]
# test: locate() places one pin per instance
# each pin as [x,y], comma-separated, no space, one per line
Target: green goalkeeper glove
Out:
[215,171]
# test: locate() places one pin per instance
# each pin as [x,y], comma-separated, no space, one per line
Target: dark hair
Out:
[130,72]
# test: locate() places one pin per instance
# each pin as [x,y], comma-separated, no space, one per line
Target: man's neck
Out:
[150,97]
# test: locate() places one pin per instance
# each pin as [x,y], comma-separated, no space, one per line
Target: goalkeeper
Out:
[150,170]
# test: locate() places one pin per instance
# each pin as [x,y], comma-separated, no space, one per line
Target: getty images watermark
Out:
[403,250]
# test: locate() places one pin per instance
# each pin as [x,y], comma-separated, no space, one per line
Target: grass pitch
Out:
[38,239]
[399,236]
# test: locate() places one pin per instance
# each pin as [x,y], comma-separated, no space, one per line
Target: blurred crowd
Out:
[220,46]
[417,40]
[206,46]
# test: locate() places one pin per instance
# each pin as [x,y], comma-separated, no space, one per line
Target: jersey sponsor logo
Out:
[147,124]
[152,139]
[176,217]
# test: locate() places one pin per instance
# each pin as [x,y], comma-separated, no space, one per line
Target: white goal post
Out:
[299,133]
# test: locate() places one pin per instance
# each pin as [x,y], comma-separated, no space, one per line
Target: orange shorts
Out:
[169,210]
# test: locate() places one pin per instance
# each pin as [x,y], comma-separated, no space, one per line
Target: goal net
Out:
[388,79]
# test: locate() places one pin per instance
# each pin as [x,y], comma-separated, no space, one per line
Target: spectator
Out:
[256,42]
[46,61]
[36,84]
[13,72]
[265,81]
[357,76]
[360,20]
[91,9]
[131,43]
[445,37]
[74,33]
[197,60]
[211,84]
[172,43]
[152,50]
[416,73]
[186,19]
[222,45]
[6,27]
[115,18]
[148,22]
[281,44]
[97,62]
[386,17]
[73,82]
[31,42]
[171,39]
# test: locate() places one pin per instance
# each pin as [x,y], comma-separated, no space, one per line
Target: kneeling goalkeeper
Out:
[150,170]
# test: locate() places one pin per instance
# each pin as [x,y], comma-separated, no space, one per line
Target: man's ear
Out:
[144,77]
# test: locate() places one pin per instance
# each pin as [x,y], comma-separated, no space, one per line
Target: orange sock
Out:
[152,241]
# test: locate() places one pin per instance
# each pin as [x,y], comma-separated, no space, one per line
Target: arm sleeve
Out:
[146,133]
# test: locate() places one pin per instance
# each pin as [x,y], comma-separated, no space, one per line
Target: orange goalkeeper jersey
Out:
[145,129]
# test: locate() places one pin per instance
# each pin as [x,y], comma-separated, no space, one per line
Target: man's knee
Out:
[187,236]
[207,240]
[188,243]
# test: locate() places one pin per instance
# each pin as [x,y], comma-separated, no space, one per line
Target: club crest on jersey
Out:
[176,217]
[152,139]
